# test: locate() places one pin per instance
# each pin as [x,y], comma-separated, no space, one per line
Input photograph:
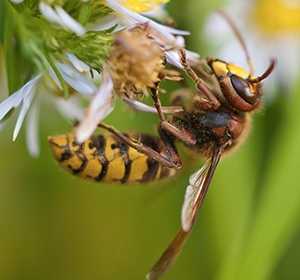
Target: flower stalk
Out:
[67,44]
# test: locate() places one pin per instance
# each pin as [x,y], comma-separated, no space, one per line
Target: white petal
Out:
[174,58]
[26,104]
[49,13]
[192,55]
[16,1]
[106,23]
[10,102]
[134,18]
[151,109]
[75,79]
[159,14]
[32,135]
[61,17]
[101,106]
[77,63]
[54,77]
[14,100]
[179,43]
[68,21]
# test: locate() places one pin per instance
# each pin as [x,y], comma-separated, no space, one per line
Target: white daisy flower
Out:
[68,72]
[169,38]
[143,59]
[131,18]
[25,96]
[74,78]
[102,105]
[271,30]
[43,84]
[77,63]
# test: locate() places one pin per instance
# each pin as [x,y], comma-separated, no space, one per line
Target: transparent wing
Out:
[169,256]
[196,190]
[195,193]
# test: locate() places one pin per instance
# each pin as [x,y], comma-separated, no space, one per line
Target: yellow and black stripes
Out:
[107,159]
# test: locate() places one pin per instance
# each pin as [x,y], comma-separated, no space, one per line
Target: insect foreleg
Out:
[181,134]
[207,101]
[157,103]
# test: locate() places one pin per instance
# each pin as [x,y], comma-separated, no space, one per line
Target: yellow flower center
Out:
[275,16]
[139,6]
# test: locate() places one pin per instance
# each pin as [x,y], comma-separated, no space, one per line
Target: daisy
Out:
[67,49]
[134,66]
[129,53]
[271,29]
[47,85]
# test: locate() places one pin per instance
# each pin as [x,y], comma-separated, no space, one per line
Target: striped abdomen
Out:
[108,159]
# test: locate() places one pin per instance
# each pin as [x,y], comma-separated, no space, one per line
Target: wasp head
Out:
[240,88]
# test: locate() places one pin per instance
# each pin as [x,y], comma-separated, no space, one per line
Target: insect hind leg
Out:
[179,133]
[141,148]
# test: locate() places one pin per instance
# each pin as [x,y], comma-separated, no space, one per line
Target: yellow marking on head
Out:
[91,170]
[252,88]
[115,171]
[220,68]
[236,70]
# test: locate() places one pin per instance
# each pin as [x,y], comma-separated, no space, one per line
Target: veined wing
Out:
[169,256]
[195,193]
[196,190]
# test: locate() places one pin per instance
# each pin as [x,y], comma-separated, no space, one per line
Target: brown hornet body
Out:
[215,121]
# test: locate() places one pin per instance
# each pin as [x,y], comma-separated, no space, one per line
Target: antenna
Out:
[266,74]
[239,36]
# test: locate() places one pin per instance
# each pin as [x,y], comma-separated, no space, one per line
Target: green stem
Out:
[59,76]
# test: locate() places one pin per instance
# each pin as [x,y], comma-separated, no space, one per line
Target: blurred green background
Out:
[55,226]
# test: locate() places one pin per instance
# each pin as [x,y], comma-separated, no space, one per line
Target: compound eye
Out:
[242,88]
